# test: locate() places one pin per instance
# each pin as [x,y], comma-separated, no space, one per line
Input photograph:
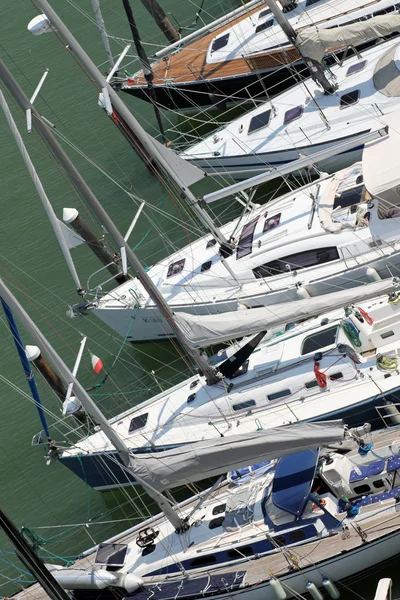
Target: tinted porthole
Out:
[243,405]
[378,484]
[211,243]
[191,398]
[240,552]
[217,510]
[206,266]
[264,13]
[319,340]
[245,244]
[279,540]
[220,42]
[336,376]
[271,222]
[203,561]
[356,68]
[278,395]
[292,114]
[193,384]
[176,267]
[349,98]
[214,523]
[362,489]
[296,536]
[387,334]
[311,384]
[148,549]
[259,121]
[264,26]
[138,422]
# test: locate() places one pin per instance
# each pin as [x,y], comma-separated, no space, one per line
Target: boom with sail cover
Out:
[314,42]
[206,330]
[208,458]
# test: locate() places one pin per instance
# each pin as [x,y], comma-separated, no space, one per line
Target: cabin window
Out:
[214,523]
[292,114]
[387,334]
[278,395]
[320,339]
[203,561]
[148,550]
[239,552]
[378,484]
[243,405]
[336,376]
[264,26]
[242,370]
[176,267]
[311,384]
[297,536]
[211,243]
[220,42]
[259,121]
[356,68]
[245,244]
[362,489]
[349,98]
[217,510]
[279,540]
[264,13]
[193,384]
[138,422]
[271,222]
[206,266]
[349,197]
[191,398]
[293,262]
[311,2]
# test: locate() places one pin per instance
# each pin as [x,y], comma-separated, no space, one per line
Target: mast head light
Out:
[39,25]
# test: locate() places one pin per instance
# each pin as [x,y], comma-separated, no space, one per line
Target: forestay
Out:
[205,330]
[314,42]
[208,458]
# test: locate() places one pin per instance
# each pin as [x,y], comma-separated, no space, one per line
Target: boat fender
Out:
[130,582]
[82,579]
[277,588]
[313,591]
[331,588]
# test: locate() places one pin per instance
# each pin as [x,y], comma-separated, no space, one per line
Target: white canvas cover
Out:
[193,462]
[381,158]
[314,43]
[205,330]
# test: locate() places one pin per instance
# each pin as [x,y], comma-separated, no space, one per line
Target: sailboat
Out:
[304,120]
[241,56]
[320,491]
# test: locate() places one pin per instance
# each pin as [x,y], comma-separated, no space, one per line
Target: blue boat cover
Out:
[293,479]
[188,589]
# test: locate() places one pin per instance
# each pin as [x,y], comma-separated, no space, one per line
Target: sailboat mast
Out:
[156,153]
[128,460]
[105,220]
[315,68]
[31,560]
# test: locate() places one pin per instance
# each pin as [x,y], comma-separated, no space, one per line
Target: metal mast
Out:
[155,151]
[105,220]
[315,68]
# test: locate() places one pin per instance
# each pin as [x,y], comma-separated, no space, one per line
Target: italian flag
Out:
[97,363]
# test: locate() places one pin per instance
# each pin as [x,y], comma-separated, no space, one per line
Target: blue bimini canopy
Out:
[293,480]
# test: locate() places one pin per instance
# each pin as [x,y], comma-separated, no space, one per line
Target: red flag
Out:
[97,363]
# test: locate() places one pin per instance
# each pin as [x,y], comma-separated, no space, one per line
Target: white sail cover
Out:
[381,158]
[208,458]
[314,43]
[206,330]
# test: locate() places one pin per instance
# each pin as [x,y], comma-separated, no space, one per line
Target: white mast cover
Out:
[314,42]
[205,330]
[193,462]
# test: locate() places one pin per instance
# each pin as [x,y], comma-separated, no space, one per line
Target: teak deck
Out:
[311,553]
[189,64]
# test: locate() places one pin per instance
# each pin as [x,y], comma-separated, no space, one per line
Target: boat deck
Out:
[301,557]
[189,64]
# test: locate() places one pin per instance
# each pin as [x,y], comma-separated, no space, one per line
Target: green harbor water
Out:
[49,501]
